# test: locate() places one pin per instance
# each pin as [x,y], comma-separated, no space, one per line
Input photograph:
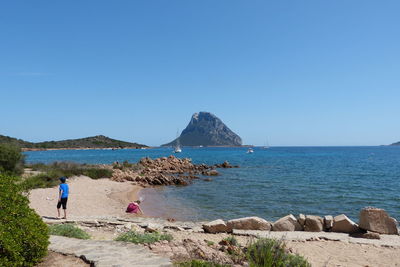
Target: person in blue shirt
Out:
[63,197]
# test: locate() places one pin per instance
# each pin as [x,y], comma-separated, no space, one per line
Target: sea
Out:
[270,183]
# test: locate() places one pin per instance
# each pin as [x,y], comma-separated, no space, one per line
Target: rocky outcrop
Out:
[163,171]
[313,224]
[377,220]
[249,223]
[287,223]
[343,224]
[205,129]
[217,226]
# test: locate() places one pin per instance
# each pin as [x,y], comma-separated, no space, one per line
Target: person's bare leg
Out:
[58,211]
[65,214]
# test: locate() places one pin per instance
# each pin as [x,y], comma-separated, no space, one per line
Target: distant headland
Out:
[94,142]
[206,129]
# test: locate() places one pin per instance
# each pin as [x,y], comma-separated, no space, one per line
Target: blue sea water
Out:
[270,183]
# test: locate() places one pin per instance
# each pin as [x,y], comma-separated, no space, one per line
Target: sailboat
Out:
[266,146]
[177,148]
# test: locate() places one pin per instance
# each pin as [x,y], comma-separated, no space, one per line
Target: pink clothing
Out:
[132,208]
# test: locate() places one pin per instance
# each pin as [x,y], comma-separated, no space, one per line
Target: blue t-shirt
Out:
[65,189]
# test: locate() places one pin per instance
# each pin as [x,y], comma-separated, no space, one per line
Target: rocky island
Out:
[206,129]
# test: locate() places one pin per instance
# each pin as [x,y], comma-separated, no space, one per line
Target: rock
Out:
[343,224]
[313,224]
[210,173]
[328,222]
[287,223]
[301,219]
[217,226]
[377,220]
[249,223]
[367,235]
[154,227]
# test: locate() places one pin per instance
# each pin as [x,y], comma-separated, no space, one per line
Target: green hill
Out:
[99,141]
[396,144]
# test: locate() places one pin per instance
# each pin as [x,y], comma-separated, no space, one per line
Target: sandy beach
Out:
[88,197]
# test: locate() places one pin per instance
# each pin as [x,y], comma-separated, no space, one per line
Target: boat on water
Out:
[266,146]
[177,148]
[249,151]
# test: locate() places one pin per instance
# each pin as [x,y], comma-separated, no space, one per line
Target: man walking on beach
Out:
[63,197]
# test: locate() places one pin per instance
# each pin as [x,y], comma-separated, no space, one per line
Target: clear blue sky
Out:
[295,72]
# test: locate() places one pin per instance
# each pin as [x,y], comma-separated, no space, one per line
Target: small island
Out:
[206,129]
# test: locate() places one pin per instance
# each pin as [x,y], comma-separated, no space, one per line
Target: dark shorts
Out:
[62,202]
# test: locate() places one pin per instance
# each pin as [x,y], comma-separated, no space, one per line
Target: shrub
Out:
[11,159]
[272,253]
[96,173]
[145,238]
[199,263]
[43,180]
[51,173]
[231,240]
[210,243]
[23,234]
[68,230]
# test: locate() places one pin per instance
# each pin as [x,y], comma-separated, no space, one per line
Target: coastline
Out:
[81,148]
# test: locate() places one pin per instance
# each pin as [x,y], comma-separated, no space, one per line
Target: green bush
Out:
[43,180]
[68,230]
[231,240]
[23,234]
[199,263]
[272,253]
[51,173]
[96,173]
[145,238]
[11,159]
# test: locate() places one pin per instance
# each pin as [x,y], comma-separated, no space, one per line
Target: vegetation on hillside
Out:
[51,172]
[99,141]
[23,234]
[11,159]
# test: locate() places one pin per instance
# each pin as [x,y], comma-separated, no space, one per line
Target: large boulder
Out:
[377,220]
[249,223]
[314,224]
[343,224]
[287,223]
[217,226]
